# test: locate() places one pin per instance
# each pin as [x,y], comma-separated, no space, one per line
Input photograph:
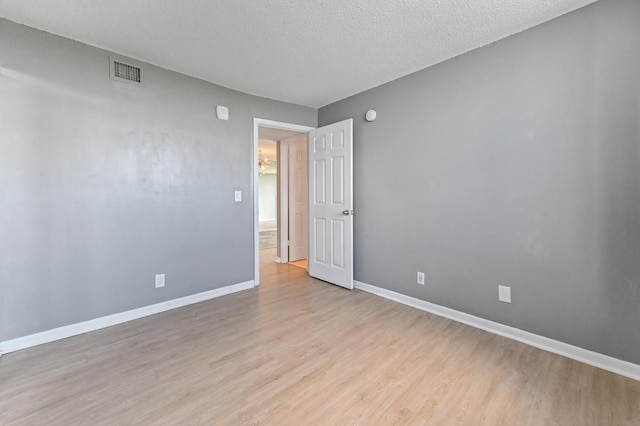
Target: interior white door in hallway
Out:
[298,198]
[331,203]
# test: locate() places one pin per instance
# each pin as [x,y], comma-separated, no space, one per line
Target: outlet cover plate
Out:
[420,278]
[159,280]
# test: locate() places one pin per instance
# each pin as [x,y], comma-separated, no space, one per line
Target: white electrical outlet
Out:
[504,294]
[159,280]
[420,278]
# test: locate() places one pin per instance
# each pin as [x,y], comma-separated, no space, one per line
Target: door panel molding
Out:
[298,197]
[331,203]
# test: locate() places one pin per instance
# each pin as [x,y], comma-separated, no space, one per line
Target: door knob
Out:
[347,212]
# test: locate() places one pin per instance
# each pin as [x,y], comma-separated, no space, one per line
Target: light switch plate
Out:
[504,294]
[238,196]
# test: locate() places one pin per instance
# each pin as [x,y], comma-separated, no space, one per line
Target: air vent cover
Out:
[124,70]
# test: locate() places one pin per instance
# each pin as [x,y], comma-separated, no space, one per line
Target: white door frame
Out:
[258,122]
[283,206]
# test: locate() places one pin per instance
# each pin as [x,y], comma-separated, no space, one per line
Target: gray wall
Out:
[515,164]
[102,185]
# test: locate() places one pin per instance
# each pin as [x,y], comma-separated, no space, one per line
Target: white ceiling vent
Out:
[124,70]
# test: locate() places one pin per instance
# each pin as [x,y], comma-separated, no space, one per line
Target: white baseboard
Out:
[109,320]
[595,359]
[278,259]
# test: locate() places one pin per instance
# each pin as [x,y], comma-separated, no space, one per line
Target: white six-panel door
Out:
[330,256]
[298,199]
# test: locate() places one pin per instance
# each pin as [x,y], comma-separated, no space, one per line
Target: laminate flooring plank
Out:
[300,351]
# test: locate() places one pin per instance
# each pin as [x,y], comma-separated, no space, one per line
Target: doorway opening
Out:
[280,186]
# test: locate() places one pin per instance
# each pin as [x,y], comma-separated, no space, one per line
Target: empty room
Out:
[320,213]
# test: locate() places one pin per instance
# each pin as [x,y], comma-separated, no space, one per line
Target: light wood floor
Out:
[300,263]
[301,352]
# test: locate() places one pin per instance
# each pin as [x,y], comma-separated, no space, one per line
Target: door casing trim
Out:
[261,122]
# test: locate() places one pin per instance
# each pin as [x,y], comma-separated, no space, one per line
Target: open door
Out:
[330,254]
[298,200]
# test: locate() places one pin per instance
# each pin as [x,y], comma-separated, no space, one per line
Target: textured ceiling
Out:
[306,52]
